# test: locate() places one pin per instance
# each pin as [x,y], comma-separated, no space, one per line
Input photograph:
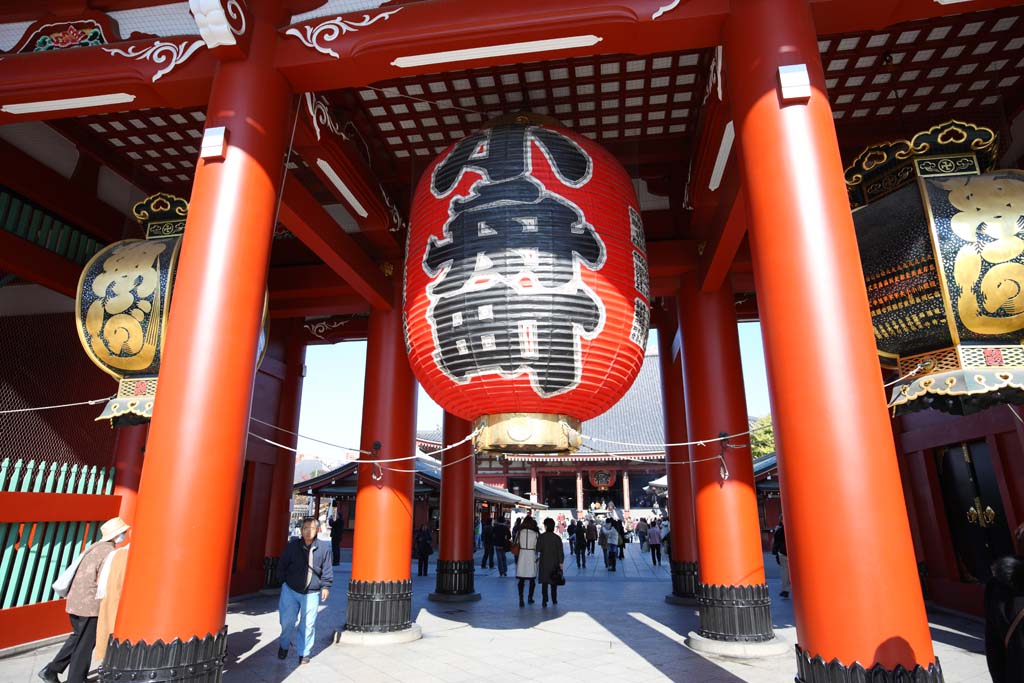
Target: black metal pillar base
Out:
[454,579]
[685,579]
[270,579]
[817,670]
[379,606]
[195,661]
[735,613]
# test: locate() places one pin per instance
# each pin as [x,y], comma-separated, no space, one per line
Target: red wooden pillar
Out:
[128,458]
[455,557]
[683,539]
[380,592]
[733,595]
[287,417]
[176,585]
[857,597]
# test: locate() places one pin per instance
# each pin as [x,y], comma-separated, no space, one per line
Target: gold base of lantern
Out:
[527,433]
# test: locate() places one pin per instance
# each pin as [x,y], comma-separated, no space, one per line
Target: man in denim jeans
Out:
[305,567]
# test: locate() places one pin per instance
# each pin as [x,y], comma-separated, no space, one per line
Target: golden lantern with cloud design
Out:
[941,238]
[122,305]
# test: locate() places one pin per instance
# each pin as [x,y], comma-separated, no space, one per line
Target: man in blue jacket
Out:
[305,567]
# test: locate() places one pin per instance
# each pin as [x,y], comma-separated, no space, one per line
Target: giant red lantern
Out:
[526,286]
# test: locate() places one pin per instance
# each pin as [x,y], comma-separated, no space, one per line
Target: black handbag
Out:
[557,577]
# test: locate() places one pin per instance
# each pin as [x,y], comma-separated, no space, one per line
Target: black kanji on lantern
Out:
[509,297]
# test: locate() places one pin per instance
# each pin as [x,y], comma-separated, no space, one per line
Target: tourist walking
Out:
[592,535]
[487,536]
[779,550]
[1004,617]
[641,531]
[549,546]
[602,541]
[581,545]
[502,539]
[337,529]
[654,541]
[526,563]
[612,536]
[308,574]
[570,533]
[423,547]
[621,544]
[79,583]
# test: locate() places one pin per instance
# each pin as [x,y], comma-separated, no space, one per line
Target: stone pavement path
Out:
[605,627]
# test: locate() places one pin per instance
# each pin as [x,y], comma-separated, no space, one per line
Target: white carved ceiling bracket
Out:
[160,52]
[332,29]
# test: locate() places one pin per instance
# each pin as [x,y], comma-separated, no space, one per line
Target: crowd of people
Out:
[92,584]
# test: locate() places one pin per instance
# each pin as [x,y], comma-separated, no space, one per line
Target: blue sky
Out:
[332,392]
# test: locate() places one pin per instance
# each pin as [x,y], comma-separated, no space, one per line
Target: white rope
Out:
[374,461]
[447,464]
[1015,413]
[723,470]
[656,446]
[309,438]
[920,366]
[61,405]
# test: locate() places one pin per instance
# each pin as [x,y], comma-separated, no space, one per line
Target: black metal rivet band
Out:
[379,606]
[195,661]
[455,577]
[735,613]
[685,579]
[817,670]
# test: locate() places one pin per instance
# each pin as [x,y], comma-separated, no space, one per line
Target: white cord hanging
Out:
[373,461]
[93,402]
[920,366]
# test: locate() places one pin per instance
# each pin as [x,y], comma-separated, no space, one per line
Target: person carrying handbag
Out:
[552,555]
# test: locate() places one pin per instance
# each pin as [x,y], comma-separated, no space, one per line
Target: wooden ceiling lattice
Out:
[609,98]
[951,65]
[160,145]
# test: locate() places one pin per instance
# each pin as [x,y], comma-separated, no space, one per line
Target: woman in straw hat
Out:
[79,582]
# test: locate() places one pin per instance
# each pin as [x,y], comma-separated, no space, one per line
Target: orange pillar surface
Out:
[279,513]
[128,459]
[176,585]
[857,597]
[455,557]
[683,538]
[728,536]
[384,499]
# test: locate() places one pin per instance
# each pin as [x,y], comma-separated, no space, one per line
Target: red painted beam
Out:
[69,200]
[726,233]
[318,307]
[93,71]
[337,163]
[297,282]
[35,264]
[56,507]
[33,622]
[667,258]
[307,220]
[371,53]
[352,329]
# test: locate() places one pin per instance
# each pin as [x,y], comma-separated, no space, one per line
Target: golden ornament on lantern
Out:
[941,240]
[122,305]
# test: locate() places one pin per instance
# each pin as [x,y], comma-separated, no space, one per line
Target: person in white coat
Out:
[526,563]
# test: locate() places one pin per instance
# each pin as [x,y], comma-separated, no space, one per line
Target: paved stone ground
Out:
[605,627]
